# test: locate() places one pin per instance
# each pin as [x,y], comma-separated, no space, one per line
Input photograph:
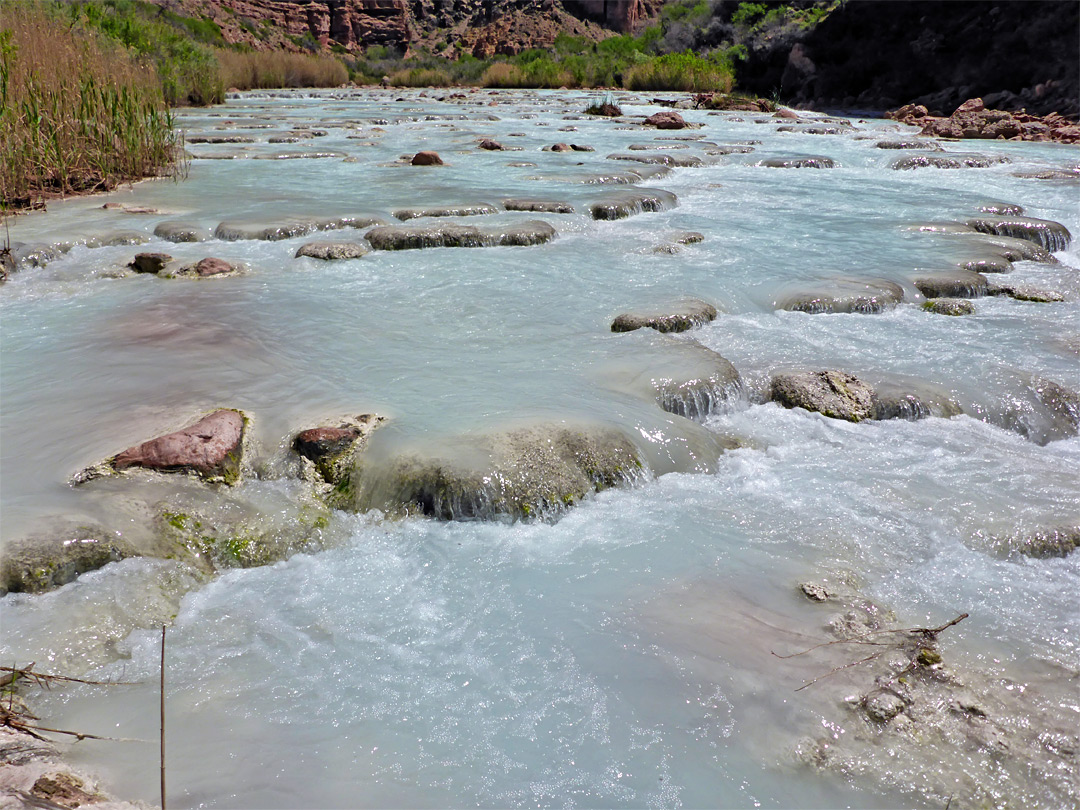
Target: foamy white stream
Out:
[429,664]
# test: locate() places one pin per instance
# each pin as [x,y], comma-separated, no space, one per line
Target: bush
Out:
[681,71]
[503,74]
[421,77]
[76,112]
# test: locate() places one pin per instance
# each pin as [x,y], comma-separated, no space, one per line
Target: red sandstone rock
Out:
[212,448]
[427,159]
[666,120]
[213,267]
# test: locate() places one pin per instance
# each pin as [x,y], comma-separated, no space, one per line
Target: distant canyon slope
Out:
[867,54]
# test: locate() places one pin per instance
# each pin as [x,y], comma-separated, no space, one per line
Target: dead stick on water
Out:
[927,632]
[162,717]
[837,669]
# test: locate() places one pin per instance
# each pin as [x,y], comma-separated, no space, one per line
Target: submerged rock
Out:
[622,204]
[683,161]
[694,381]
[912,401]
[212,448]
[867,296]
[34,255]
[539,206]
[835,394]
[679,317]
[801,162]
[332,251]
[48,560]
[405,237]
[949,161]
[1002,209]
[932,146]
[287,229]
[949,306]
[990,263]
[1010,248]
[957,283]
[176,231]
[532,472]
[1052,236]
[446,211]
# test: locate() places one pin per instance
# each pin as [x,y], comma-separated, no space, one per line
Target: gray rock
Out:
[1014,250]
[446,211]
[679,317]
[865,296]
[1002,209]
[687,237]
[800,162]
[695,381]
[406,237]
[883,705]
[176,231]
[539,206]
[1063,403]
[989,263]
[656,146]
[119,238]
[48,560]
[1052,236]
[332,251]
[949,306]
[35,255]
[1056,541]
[622,204]
[835,394]
[1025,292]
[814,591]
[932,146]
[958,283]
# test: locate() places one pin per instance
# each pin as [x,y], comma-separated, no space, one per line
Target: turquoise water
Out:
[424,664]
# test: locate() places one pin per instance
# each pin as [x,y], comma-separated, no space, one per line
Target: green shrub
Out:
[681,71]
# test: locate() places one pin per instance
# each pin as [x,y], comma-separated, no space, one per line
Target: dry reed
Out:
[256,70]
[76,113]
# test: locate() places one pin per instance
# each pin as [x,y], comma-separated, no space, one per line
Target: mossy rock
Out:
[53,558]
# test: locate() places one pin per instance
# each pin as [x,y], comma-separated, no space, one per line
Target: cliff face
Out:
[499,26]
[938,53]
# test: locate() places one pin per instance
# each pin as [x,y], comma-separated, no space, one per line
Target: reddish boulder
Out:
[666,120]
[490,145]
[213,267]
[211,448]
[427,159]
[909,114]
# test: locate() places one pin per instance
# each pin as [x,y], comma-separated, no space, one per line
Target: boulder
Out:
[679,317]
[175,231]
[211,266]
[988,263]
[489,145]
[1002,209]
[150,262]
[866,296]
[957,283]
[332,251]
[211,448]
[54,558]
[622,204]
[687,237]
[807,162]
[426,158]
[949,306]
[331,450]
[835,394]
[518,474]
[909,114]
[540,206]
[119,238]
[1049,235]
[406,237]
[1010,248]
[446,211]
[558,147]
[666,119]
[912,401]
[1055,541]
[930,146]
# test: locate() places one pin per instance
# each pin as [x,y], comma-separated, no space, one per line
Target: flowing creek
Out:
[617,653]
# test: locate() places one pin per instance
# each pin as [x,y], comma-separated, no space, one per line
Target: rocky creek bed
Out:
[525,523]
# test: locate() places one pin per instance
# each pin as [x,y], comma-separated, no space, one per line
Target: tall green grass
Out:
[76,112]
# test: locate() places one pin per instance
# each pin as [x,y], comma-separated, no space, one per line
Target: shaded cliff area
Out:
[872,55]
